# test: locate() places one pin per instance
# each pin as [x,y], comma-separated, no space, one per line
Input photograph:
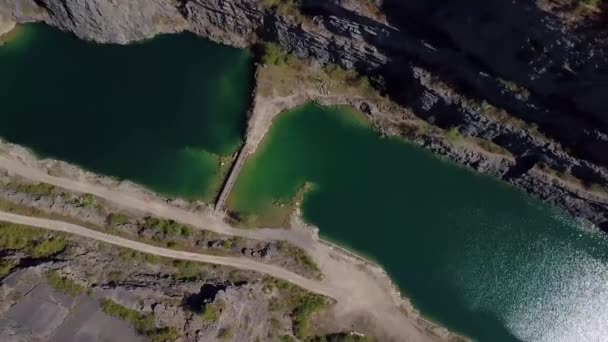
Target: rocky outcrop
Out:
[104,274]
[511,72]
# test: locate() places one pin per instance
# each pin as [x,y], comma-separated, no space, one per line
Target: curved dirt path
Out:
[241,263]
[207,220]
[346,299]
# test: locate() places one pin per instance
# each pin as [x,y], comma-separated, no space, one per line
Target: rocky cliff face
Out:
[511,72]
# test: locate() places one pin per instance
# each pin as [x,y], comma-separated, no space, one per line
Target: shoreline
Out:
[297,220]
[344,271]
[7,26]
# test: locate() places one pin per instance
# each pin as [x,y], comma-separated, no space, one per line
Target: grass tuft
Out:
[64,284]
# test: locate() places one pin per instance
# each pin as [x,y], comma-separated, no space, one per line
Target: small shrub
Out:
[210,313]
[35,242]
[225,334]
[143,323]
[85,201]
[63,284]
[42,189]
[453,135]
[48,248]
[166,227]
[289,8]
[187,269]
[116,276]
[592,3]
[114,220]
[303,304]
[273,55]
[128,255]
[6,267]
[492,147]
[300,256]
[164,334]
[13,237]
[307,305]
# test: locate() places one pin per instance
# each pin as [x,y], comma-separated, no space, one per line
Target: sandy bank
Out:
[366,297]
[6,25]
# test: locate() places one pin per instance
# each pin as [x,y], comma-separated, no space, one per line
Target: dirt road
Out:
[207,220]
[347,300]
[241,263]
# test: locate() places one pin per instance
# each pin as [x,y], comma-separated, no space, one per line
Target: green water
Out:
[160,112]
[472,253]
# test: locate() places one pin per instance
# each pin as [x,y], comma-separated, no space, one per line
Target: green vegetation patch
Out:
[85,201]
[6,267]
[49,247]
[128,255]
[285,73]
[188,270]
[491,147]
[116,276]
[454,136]
[592,3]
[573,180]
[41,189]
[116,219]
[302,304]
[300,255]
[290,8]
[167,227]
[226,334]
[210,313]
[35,242]
[143,323]
[64,284]
[306,306]
[273,55]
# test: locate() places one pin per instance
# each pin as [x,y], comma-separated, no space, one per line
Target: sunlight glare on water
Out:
[550,290]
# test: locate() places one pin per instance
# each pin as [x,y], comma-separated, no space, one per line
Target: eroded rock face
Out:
[30,309]
[454,63]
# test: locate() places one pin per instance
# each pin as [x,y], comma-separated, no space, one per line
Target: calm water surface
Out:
[160,113]
[472,253]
